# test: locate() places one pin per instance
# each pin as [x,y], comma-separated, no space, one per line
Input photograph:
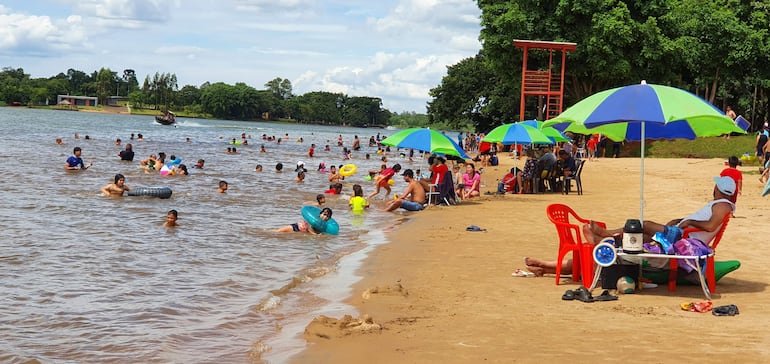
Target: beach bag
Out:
[689,246]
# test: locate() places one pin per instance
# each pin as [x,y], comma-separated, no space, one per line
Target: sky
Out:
[396,50]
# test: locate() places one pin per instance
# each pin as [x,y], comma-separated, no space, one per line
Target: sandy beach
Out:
[438,293]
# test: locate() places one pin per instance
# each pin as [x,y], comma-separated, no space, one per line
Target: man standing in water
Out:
[74,162]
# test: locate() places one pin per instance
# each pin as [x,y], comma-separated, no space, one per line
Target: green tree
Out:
[218,99]
[322,107]
[105,80]
[280,87]
[464,94]
[189,95]
[362,111]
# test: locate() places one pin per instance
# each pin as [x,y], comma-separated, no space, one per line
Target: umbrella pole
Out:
[515,155]
[641,182]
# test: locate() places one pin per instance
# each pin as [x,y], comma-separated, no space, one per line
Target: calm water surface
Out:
[88,278]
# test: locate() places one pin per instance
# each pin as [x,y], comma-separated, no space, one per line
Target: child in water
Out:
[305,227]
[358,203]
[171,218]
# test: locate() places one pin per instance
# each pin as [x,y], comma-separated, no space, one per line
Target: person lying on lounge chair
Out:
[708,219]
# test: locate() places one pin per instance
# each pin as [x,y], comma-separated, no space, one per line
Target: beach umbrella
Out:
[551,132]
[425,140]
[516,133]
[645,111]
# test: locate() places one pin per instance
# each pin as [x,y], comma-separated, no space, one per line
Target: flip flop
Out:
[605,296]
[568,295]
[474,228]
[583,295]
[729,310]
[522,273]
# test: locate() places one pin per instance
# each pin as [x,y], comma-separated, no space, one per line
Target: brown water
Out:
[88,278]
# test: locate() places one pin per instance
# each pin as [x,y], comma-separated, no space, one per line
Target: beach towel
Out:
[689,246]
[447,190]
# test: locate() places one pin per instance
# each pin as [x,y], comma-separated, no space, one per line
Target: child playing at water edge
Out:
[305,227]
[171,218]
[383,179]
[358,203]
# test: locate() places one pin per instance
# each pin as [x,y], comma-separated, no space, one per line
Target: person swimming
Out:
[171,218]
[117,188]
[303,226]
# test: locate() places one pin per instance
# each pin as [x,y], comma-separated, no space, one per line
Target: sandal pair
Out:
[583,295]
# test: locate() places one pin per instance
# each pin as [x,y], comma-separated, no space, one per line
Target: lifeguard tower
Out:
[544,83]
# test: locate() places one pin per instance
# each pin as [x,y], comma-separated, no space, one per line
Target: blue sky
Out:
[393,49]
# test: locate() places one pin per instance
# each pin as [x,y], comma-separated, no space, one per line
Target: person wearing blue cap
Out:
[708,219]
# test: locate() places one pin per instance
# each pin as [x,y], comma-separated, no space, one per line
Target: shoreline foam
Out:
[332,289]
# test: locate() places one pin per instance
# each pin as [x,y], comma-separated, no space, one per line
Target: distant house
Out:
[77,100]
[116,100]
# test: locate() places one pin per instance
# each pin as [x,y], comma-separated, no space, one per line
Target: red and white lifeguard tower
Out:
[543,82]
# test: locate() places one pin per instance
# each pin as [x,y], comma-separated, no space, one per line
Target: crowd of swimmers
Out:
[358,202]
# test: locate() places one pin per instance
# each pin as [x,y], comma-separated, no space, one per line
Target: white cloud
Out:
[289,8]
[393,49]
[140,10]
[33,35]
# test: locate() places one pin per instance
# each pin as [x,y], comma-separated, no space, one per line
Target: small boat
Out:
[167,118]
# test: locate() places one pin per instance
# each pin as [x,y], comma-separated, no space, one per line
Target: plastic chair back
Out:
[570,237]
[710,272]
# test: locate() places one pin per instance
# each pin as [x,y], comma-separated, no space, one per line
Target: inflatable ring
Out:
[348,170]
[311,214]
[174,162]
[159,192]
[391,182]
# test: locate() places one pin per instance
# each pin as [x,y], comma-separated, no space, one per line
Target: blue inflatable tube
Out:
[174,162]
[311,214]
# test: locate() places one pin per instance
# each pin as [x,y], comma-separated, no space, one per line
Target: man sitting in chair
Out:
[708,219]
[413,198]
[568,165]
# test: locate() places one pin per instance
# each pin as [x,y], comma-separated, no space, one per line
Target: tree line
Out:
[717,49]
[220,100]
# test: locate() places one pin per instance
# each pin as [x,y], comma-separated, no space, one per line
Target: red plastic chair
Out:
[571,240]
[673,264]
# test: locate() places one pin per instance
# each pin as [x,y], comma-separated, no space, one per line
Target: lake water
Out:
[88,278]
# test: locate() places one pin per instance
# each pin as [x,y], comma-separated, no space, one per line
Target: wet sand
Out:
[438,293]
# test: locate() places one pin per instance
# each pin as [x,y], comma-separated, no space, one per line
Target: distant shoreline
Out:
[123,110]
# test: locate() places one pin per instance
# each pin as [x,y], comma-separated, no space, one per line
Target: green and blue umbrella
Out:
[551,132]
[425,140]
[646,111]
[517,133]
